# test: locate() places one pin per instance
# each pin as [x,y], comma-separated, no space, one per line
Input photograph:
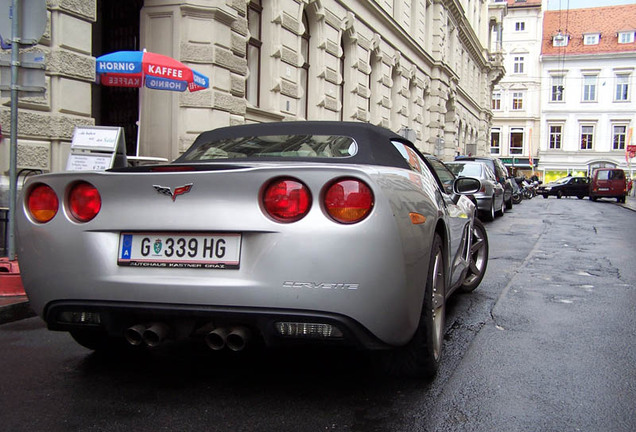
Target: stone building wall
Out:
[46,122]
[412,65]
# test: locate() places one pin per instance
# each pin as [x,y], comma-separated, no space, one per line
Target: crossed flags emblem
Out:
[177,191]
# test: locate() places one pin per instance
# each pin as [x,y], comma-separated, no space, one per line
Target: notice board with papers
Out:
[97,148]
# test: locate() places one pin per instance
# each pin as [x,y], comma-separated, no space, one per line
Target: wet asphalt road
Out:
[546,343]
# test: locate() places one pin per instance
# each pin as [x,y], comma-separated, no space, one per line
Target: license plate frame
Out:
[180,250]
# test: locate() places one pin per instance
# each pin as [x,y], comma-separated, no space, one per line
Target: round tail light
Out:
[42,203]
[349,200]
[286,200]
[84,201]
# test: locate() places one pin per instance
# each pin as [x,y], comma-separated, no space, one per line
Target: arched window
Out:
[254,44]
[303,103]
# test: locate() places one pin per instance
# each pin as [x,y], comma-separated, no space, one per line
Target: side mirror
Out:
[466,185]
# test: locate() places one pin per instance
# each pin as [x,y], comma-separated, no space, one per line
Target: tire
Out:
[559,194]
[489,215]
[593,198]
[580,196]
[545,197]
[478,258]
[502,210]
[516,200]
[421,356]
[510,202]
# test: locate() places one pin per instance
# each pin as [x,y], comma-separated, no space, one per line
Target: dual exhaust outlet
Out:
[234,338]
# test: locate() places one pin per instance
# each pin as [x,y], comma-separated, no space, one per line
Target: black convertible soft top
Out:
[374,142]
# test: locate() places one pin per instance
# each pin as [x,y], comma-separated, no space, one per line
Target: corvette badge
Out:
[177,191]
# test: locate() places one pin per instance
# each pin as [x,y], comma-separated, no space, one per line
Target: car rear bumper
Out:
[187,321]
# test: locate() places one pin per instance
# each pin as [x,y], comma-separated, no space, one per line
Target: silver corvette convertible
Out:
[269,234]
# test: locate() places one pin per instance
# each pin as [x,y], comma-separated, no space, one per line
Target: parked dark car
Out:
[500,170]
[566,186]
[490,198]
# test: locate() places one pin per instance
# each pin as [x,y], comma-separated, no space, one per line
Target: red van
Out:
[608,183]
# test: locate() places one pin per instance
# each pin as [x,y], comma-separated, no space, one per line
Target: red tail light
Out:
[349,201]
[42,203]
[84,202]
[286,200]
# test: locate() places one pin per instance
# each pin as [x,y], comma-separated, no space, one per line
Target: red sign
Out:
[632,154]
[631,148]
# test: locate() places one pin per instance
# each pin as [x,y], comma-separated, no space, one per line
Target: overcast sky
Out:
[578,4]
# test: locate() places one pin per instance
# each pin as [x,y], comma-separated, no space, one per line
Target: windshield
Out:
[562,180]
[277,146]
[465,169]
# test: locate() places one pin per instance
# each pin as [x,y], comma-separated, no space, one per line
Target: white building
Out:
[421,66]
[516,99]
[588,63]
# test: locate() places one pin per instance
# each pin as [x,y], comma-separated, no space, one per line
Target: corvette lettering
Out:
[177,191]
[321,285]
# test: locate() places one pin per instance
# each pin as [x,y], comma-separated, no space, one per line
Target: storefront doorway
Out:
[117,29]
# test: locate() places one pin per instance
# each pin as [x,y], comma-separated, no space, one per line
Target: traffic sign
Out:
[32,21]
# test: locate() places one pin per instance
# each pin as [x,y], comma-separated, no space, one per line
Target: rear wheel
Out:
[502,210]
[490,214]
[559,195]
[421,356]
[478,258]
[509,203]
[580,196]
[545,196]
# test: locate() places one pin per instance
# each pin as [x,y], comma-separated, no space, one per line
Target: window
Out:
[589,88]
[496,100]
[622,87]
[560,40]
[626,37]
[587,137]
[516,141]
[520,26]
[495,139]
[556,137]
[252,83]
[518,64]
[619,137]
[556,94]
[517,101]
[591,39]
[304,70]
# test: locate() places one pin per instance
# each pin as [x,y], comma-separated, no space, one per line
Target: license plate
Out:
[180,250]
[603,189]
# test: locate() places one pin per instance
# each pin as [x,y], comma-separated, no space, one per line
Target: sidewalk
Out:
[630,203]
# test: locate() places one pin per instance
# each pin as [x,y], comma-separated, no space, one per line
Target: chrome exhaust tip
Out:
[216,339]
[155,334]
[238,338]
[135,335]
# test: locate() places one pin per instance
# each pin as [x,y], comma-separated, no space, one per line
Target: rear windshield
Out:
[465,170]
[275,146]
[610,175]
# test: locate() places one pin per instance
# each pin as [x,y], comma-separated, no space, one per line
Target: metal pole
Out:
[13,187]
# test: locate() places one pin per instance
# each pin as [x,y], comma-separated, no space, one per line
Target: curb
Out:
[15,311]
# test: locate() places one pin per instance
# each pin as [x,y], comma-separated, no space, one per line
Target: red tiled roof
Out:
[607,21]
